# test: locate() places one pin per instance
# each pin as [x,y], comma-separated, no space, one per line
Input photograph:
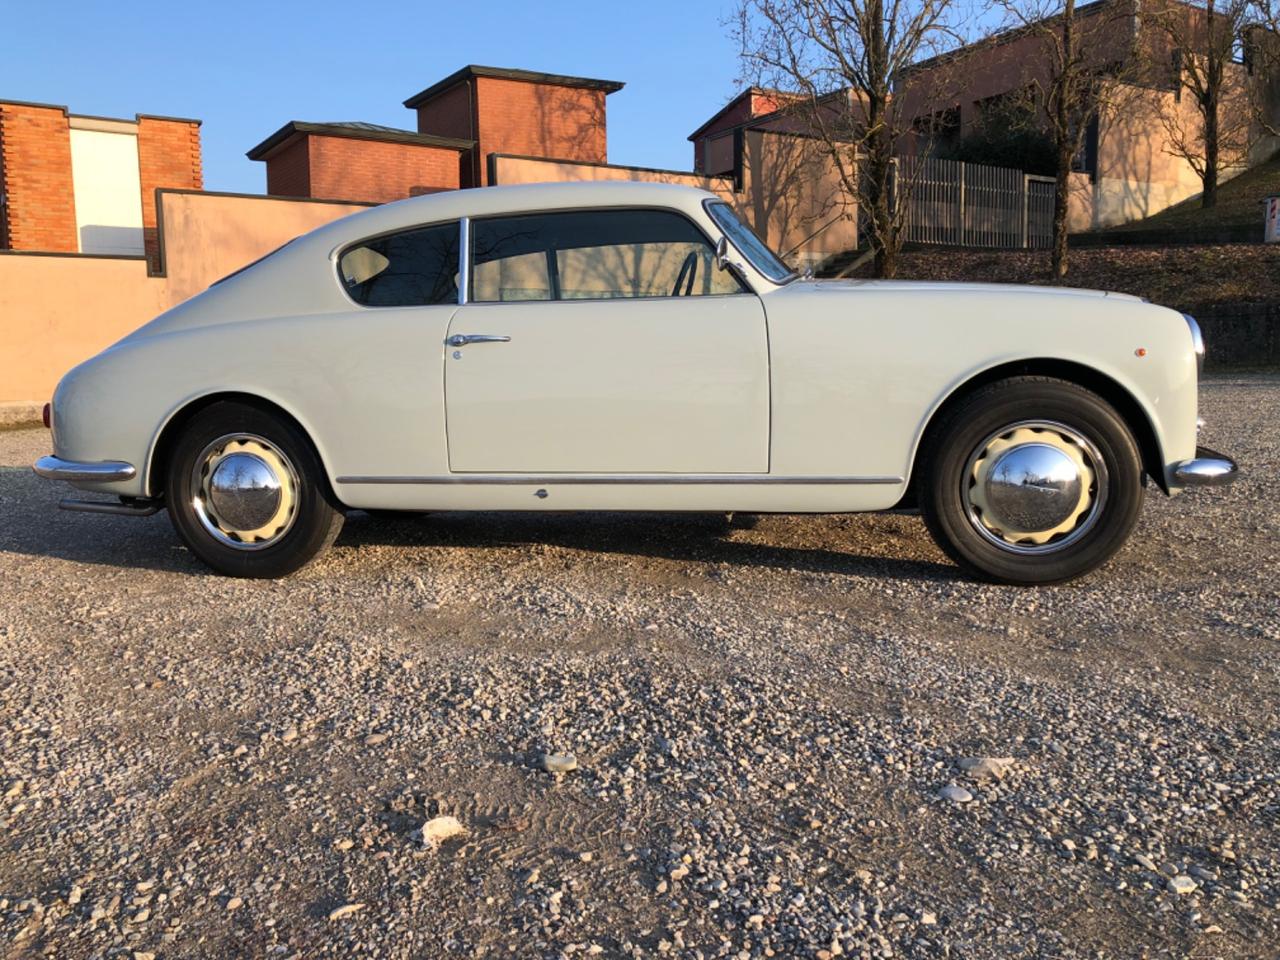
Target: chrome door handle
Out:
[462,339]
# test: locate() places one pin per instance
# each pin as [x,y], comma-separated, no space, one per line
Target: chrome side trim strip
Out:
[464,261]
[106,471]
[640,479]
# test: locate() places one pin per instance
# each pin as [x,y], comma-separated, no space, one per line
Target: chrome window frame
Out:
[464,261]
[335,258]
[711,202]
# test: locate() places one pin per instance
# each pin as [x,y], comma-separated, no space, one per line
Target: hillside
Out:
[1177,276]
[1239,204]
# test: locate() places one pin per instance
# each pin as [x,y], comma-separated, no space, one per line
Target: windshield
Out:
[761,257]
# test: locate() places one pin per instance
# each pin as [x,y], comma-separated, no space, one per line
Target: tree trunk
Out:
[878,196]
[879,145]
[1064,139]
[1061,203]
[1213,76]
[1209,177]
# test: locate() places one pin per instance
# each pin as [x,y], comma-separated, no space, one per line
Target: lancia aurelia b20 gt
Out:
[628,347]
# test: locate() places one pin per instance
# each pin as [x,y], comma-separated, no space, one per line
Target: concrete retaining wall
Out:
[1239,334]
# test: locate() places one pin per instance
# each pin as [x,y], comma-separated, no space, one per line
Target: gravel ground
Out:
[768,724]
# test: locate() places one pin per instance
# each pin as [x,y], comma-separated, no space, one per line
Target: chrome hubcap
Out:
[245,491]
[1034,487]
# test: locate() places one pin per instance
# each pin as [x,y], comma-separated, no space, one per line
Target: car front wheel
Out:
[1031,480]
[246,492]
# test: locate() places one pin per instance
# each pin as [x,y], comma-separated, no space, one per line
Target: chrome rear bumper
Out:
[105,471]
[1208,469]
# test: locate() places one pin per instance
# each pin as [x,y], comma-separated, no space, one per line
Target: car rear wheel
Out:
[246,493]
[1031,480]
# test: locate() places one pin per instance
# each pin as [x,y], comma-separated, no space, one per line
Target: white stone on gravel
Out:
[441,828]
[982,768]
[346,910]
[559,762]
[1181,884]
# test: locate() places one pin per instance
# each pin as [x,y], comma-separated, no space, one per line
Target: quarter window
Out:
[594,255]
[411,269]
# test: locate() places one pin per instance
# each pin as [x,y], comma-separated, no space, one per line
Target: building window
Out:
[416,268]
[594,255]
[1086,161]
[107,186]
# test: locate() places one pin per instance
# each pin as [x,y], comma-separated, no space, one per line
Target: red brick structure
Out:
[517,112]
[361,161]
[36,172]
[39,211]
[713,145]
[168,156]
[463,120]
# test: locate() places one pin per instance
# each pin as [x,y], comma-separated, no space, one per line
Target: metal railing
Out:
[972,205]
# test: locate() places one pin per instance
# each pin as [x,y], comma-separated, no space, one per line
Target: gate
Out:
[973,205]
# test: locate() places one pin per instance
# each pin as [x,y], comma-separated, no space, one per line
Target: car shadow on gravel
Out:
[39,529]
[690,538]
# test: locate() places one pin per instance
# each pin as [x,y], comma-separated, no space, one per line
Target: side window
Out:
[594,255]
[410,269]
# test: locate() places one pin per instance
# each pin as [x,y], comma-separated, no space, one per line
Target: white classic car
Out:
[621,346]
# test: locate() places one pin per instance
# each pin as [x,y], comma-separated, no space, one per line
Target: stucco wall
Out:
[790,193]
[57,310]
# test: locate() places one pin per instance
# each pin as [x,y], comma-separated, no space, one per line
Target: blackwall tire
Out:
[1031,480]
[247,494]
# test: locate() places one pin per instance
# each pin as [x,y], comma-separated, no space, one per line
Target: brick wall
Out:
[343,168]
[450,115]
[40,212]
[289,170]
[168,156]
[540,120]
[4,217]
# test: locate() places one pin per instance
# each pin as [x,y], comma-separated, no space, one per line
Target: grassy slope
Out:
[1239,203]
[1177,276]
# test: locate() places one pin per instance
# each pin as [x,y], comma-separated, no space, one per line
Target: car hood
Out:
[819,287]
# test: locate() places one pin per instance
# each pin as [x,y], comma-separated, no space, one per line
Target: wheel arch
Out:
[1131,410]
[171,429]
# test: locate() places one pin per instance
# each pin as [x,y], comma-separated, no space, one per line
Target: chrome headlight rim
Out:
[1197,340]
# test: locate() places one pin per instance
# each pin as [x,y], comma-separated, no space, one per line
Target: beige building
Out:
[1131,165]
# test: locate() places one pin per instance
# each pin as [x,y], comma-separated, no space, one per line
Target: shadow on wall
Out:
[118,241]
[793,197]
[569,126]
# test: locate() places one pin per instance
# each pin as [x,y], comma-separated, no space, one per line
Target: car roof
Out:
[522,198]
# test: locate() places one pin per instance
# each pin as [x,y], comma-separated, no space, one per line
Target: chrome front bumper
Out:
[1208,469]
[106,471]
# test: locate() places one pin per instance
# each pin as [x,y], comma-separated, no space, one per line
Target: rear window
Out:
[415,268]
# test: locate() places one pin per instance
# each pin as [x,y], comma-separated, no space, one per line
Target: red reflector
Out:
[48,415]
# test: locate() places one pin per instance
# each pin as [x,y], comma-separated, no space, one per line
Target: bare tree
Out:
[1206,43]
[839,59]
[1077,69]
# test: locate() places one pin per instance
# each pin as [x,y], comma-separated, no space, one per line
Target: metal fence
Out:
[971,205]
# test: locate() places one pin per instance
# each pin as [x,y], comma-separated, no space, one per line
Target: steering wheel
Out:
[690,269]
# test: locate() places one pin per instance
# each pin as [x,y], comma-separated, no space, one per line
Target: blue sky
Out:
[247,68]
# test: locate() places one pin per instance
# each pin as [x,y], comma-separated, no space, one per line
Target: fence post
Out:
[1026,201]
[963,225]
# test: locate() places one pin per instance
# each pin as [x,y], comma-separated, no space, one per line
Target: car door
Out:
[605,342]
